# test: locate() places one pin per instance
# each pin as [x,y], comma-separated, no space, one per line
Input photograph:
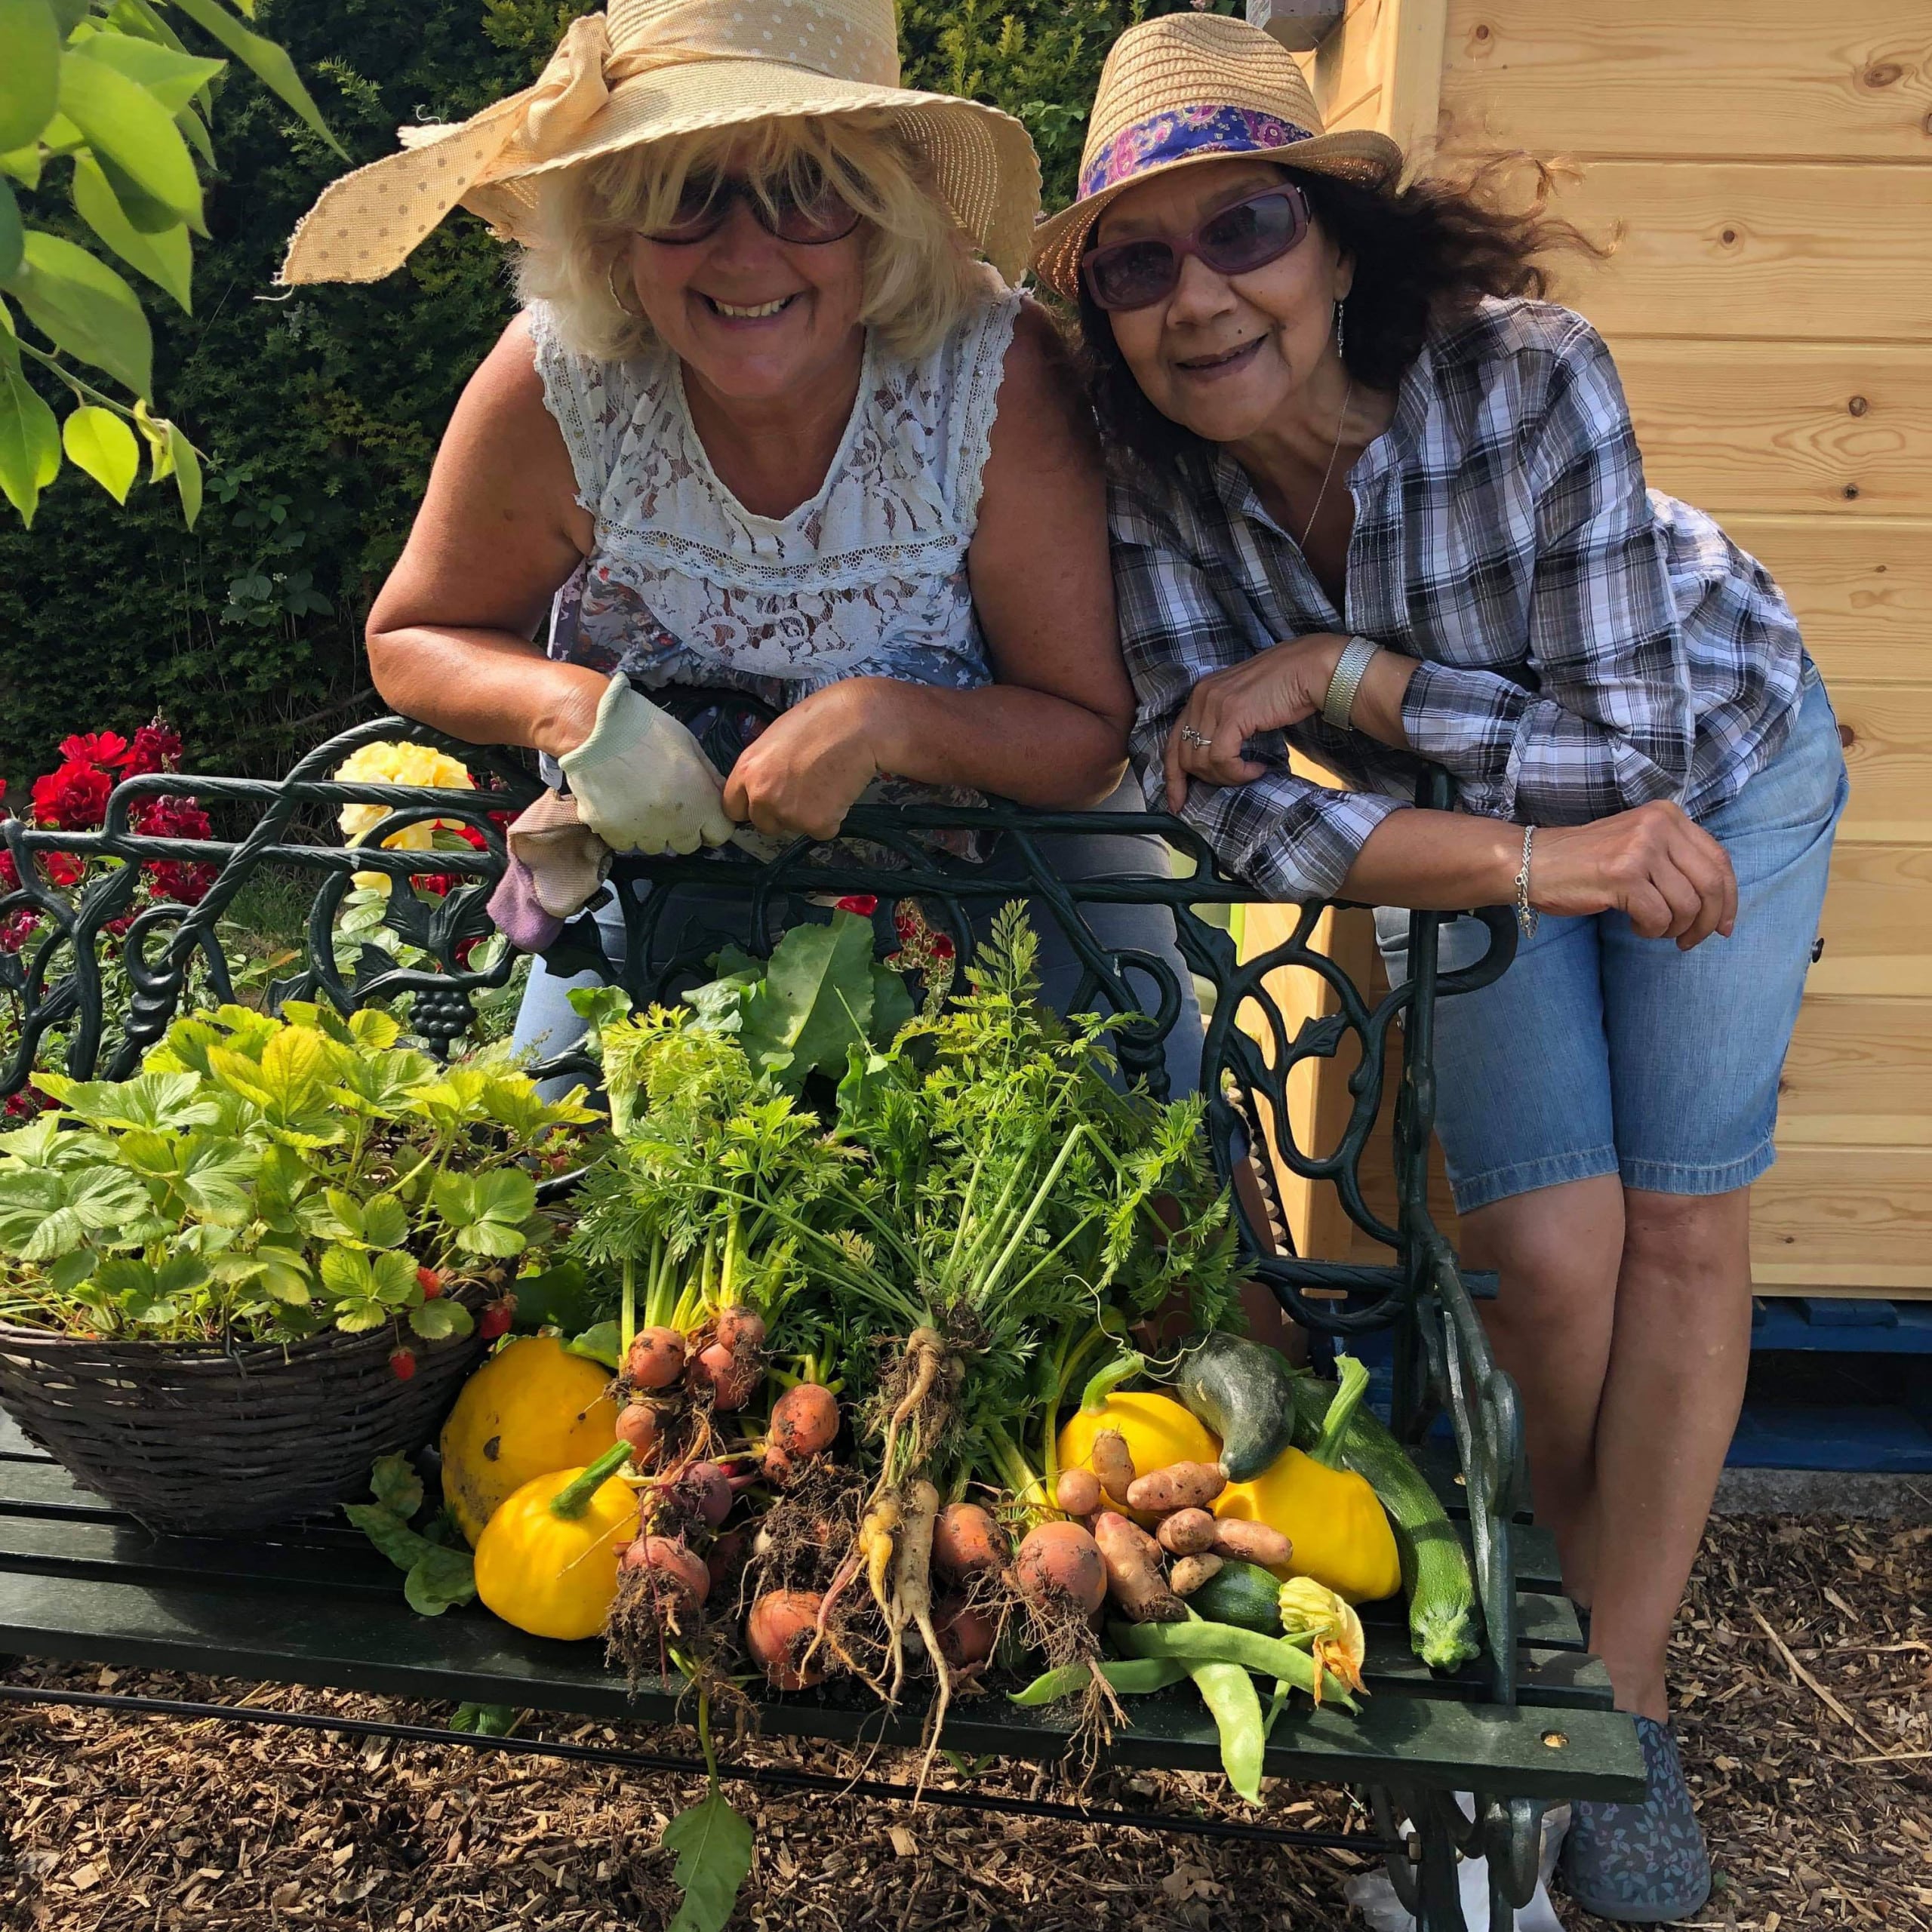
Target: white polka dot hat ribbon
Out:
[649,68]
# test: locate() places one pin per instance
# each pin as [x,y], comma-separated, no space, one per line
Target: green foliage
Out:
[271,1178]
[714,1848]
[437,1576]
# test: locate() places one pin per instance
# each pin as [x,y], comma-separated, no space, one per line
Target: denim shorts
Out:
[1599,1052]
[700,918]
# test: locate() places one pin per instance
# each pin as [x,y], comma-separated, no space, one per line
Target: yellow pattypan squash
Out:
[1332,1516]
[532,1408]
[547,1560]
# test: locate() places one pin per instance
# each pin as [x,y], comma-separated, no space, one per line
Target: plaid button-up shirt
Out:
[1586,645]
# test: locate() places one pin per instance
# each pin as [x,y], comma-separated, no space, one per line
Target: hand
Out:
[1273,690]
[641,782]
[805,770]
[1672,878]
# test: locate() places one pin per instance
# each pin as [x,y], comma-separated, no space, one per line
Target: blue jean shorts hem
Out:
[1474,1191]
[1680,1177]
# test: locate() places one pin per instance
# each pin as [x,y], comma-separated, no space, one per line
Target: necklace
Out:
[1321,494]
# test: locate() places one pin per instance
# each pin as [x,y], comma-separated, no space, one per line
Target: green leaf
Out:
[21,164]
[597,1344]
[714,1848]
[211,1178]
[438,1579]
[187,474]
[29,442]
[13,237]
[892,1005]
[395,1277]
[559,1297]
[346,1275]
[129,130]
[263,59]
[83,307]
[358,1316]
[485,1720]
[164,1103]
[438,1320]
[174,78]
[389,1532]
[166,259]
[29,69]
[375,1031]
[486,1211]
[97,440]
[815,1001]
[385,1222]
[393,1481]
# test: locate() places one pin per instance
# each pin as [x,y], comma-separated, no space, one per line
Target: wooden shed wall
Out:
[1768,164]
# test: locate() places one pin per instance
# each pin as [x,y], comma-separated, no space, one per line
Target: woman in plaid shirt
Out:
[1373,502]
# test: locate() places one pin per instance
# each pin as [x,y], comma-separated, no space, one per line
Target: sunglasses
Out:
[1236,241]
[806,214]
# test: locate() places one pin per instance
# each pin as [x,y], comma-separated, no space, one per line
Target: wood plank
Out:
[1887,730]
[1346,72]
[1859,1073]
[1776,428]
[1413,95]
[346,1643]
[1849,1216]
[1783,79]
[1752,249]
[1877,924]
[1861,588]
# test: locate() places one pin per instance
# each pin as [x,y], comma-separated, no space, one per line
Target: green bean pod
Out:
[1131,1677]
[1200,1642]
[1229,1692]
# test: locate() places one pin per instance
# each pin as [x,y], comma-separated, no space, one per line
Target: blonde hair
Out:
[920,279]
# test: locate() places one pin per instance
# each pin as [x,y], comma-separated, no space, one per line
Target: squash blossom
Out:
[397,762]
[1309,1606]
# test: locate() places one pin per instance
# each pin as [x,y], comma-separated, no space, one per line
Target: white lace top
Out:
[684,586]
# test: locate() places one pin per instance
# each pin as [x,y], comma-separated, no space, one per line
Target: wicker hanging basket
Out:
[201,1441]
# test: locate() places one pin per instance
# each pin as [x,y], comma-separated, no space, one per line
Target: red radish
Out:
[1060,1559]
[708,1489]
[496,1319]
[778,1633]
[966,1543]
[966,1635]
[667,1559]
[656,1359]
[402,1364]
[637,1426]
[733,1380]
[430,1282]
[804,1420]
[740,1329]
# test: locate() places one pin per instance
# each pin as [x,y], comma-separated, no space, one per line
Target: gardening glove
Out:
[556,864]
[641,780]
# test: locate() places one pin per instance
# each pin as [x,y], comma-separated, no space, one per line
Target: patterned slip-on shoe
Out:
[1640,1864]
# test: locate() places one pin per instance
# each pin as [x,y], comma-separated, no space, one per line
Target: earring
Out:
[611,277]
[1341,334]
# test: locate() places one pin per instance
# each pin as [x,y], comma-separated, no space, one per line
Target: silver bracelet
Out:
[1526,914]
[1345,680]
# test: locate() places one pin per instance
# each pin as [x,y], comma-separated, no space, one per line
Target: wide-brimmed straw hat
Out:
[1190,87]
[647,69]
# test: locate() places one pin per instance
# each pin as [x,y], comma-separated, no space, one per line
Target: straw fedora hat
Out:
[649,68]
[1190,87]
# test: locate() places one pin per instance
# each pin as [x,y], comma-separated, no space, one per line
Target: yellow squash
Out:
[547,1559]
[1339,1528]
[532,1408]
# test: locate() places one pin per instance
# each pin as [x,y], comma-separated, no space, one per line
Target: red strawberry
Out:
[495,1320]
[402,1364]
[430,1282]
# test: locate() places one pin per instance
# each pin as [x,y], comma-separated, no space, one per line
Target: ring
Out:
[1189,736]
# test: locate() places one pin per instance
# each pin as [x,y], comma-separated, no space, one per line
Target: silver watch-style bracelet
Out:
[1526,914]
[1345,680]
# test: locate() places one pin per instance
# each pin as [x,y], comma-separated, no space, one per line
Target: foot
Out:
[1640,1864]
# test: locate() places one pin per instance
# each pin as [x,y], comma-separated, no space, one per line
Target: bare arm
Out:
[499,530]
[1052,733]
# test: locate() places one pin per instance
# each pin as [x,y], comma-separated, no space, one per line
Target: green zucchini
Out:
[1445,1622]
[1245,1393]
[1242,1593]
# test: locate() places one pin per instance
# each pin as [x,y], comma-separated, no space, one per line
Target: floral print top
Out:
[684,586]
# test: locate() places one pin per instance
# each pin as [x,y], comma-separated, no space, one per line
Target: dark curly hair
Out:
[1423,253]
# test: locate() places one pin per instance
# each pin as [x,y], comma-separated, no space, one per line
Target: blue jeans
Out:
[1599,1052]
[547,1023]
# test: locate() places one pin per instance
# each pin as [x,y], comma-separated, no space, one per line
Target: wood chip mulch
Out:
[1803,1666]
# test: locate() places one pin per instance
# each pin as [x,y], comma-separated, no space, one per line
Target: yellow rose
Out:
[398,763]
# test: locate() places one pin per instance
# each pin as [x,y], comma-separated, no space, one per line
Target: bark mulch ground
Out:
[1803,1664]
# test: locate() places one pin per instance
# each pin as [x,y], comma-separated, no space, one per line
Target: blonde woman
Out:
[764,423]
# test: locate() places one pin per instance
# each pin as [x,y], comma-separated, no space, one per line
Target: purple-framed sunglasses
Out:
[1236,240]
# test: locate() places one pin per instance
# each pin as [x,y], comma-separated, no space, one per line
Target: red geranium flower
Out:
[95,748]
[63,868]
[169,818]
[863,903]
[155,749]
[71,799]
[172,879]
[17,928]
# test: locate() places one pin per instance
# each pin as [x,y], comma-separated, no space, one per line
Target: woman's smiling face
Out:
[1224,355]
[755,316]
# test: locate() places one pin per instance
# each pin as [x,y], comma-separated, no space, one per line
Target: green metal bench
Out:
[1530,1724]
